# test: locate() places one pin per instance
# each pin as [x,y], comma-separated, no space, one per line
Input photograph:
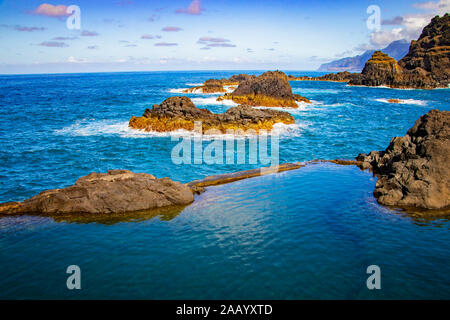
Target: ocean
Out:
[304,234]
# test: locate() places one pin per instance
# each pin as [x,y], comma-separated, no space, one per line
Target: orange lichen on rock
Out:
[177,113]
[394,100]
[260,100]
[209,86]
[271,89]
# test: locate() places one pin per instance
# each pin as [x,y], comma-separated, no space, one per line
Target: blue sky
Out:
[145,35]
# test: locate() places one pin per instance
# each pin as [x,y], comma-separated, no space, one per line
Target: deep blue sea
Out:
[308,233]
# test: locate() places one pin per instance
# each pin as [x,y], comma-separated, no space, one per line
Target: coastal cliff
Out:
[430,54]
[271,89]
[180,113]
[426,66]
[414,170]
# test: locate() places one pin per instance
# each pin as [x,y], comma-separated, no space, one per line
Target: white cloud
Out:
[383,38]
[411,24]
[72,59]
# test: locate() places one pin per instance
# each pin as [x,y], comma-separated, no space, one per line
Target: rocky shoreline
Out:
[426,66]
[177,113]
[414,170]
[413,174]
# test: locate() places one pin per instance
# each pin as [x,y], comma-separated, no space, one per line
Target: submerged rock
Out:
[180,113]
[271,89]
[414,170]
[117,191]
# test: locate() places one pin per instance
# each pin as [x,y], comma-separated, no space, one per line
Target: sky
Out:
[146,35]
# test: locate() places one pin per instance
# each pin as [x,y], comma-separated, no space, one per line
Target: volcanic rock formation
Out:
[414,170]
[180,113]
[271,89]
[117,191]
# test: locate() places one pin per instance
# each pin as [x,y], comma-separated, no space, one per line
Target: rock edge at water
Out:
[414,170]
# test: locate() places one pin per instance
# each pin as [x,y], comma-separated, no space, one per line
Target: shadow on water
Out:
[423,217]
[164,214]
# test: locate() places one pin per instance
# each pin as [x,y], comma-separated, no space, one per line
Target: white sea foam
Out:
[179,90]
[194,84]
[404,101]
[92,127]
[212,101]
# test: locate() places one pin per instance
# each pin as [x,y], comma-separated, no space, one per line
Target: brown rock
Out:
[430,54]
[271,89]
[426,66]
[414,170]
[180,113]
[117,191]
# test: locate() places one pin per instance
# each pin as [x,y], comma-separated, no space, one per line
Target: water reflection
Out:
[164,214]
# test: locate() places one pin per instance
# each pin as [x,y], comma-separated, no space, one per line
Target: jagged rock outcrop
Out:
[117,191]
[430,54]
[271,89]
[379,70]
[426,66]
[180,113]
[414,170]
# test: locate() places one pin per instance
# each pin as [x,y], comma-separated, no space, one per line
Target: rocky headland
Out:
[117,191]
[271,89]
[425,66]
[180,113]
[414,170]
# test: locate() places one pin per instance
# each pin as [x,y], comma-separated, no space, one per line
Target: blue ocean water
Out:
[309,233]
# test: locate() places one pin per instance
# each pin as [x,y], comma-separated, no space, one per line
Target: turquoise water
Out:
[309,233]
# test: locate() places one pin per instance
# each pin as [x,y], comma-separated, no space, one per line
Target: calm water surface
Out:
[309,233]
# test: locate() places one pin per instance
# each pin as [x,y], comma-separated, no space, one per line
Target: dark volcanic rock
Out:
[431,52]
[271,89]
[180,113]
[178,107]
[271,83]
[426,66]
[118,191]
[414,170]
[238,78]
[379,70]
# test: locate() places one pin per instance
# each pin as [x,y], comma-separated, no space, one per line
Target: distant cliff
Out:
[397,49]
[426,66]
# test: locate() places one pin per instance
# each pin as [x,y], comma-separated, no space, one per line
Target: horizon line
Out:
[154,71]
